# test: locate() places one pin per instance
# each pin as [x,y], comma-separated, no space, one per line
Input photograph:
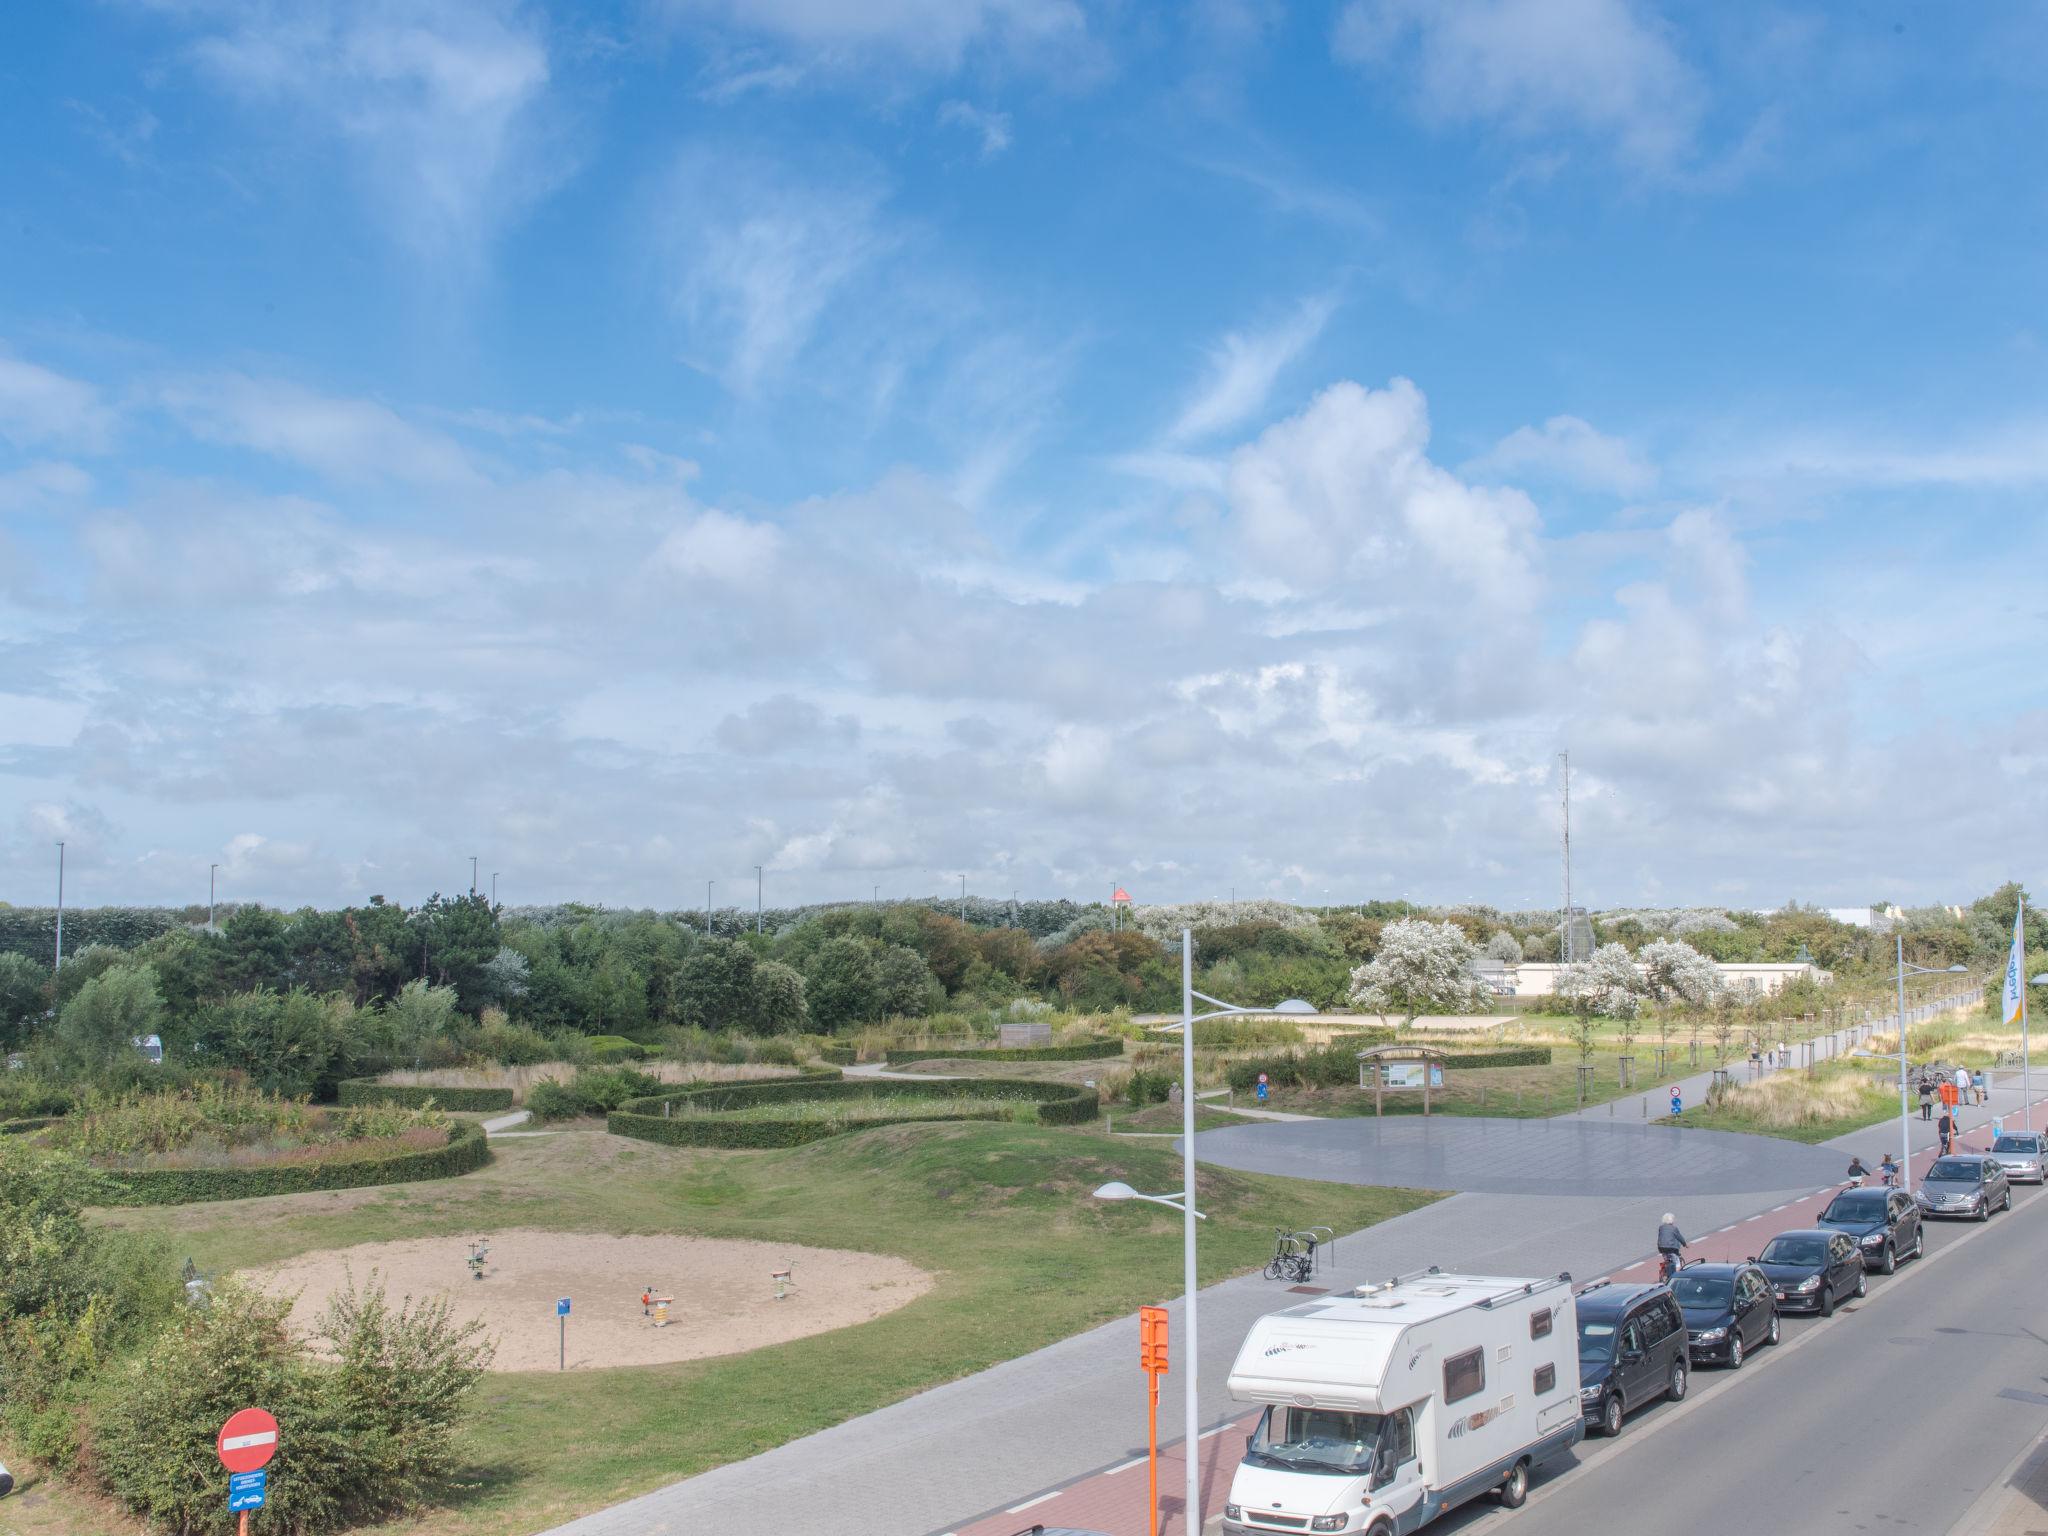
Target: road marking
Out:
[1018,1509]
[1123,1466]
[1205,1434]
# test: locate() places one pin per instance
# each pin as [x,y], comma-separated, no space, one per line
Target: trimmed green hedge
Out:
[1336,1065]
[466,1151]
[1516,1056]
[605,1049]
[839,1055]
[358,1091]
[1058,1104]
[23,1127]
[1086,1050]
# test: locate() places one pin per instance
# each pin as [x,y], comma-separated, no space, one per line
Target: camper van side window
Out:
[1546,1379]
[1464,1375]
[1539,1323]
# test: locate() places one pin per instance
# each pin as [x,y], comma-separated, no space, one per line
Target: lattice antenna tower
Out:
[1565,758]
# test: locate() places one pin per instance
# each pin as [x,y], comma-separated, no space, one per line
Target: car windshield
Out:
[1796,1250]
[1953,1170]
[1855,1208]
[1702,1290]
[1316,1440]
[2026,1144]
[1596,1340]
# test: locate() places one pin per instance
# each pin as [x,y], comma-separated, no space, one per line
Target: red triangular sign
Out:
[1121,895]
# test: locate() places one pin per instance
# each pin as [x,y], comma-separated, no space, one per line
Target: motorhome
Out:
[1391,1404]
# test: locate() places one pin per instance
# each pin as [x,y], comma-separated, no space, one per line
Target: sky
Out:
[1221,447]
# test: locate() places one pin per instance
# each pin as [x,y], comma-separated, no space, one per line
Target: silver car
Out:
[2020,1154]
[1967,1184]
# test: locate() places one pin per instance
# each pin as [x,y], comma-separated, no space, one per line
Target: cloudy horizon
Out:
[1020,440]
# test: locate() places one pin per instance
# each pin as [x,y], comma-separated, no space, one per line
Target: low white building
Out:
[1533,978]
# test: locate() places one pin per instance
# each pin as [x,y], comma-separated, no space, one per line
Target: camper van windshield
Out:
[1315,1440]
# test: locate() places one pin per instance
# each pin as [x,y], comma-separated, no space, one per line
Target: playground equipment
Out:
[661,1306]
[785,1281]
[479,1255]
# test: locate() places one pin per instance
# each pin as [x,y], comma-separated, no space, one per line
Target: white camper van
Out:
[1396,1402]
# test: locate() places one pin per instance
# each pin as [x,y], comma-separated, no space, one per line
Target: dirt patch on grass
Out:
[724,1294]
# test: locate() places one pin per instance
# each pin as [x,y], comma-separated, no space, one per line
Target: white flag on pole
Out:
[2015,965]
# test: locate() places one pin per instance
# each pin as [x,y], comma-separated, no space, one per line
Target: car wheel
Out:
[1775,1329]
[1889,1265]
[1862,1284]
[2006,1203]
[1610,1415]
[1735,1351]
[1674,1388]
[1827,1302]
[1919,1241]
[1983,1210]
[1514,1493]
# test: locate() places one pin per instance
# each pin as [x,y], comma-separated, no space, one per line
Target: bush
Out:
[467,1101]
[615,1048]
[510,1045]
[1058,1104]
[551,1100]
[371,1434]
[592,1091]
[1336,1065]
[465,1151]
[1150,1085]
[1086,1050]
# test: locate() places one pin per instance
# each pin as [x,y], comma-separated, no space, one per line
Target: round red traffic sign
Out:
[247,1441]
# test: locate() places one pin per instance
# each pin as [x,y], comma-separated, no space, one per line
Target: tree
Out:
[503,979]
[843,986]
[1677,972]
[714,988]
[1504,947]
[419,1016]
[1420,967]
[99,1026]
[287,1043]
[908,988]
[259,951]
[24,994]
[779,1005]
[461,938]
[1606,983]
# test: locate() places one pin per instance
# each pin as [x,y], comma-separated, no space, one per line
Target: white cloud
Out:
[344,439]
[991,127]
[719,547]
[1605,69]
[1571,451]
[934,34]
[1243,368]
[441,102]
[40,407]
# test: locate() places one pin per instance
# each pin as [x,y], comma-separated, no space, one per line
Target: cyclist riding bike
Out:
[1889,1170]
[1670,1241]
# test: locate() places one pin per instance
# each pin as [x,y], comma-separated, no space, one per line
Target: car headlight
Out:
[1710,1335]
[1874,1240]
[1328,1522]
[1233,1511]
[1587,1394]
[1810,1284]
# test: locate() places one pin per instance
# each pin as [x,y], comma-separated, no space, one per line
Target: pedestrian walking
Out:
[1677,1103]
[1946,1126]
[1962,1085]
[1264,1089]
[1926,1098]
[1983,1087]
[1784,1054]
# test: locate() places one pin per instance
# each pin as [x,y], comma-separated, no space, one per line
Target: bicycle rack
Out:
[1325,1243]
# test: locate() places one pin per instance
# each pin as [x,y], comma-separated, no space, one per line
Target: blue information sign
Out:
[562,1307]
[245,1490]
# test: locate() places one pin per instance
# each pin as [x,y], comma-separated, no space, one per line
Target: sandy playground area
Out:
[724,1297]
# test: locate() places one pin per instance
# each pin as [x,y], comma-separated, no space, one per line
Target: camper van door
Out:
[1396,1484]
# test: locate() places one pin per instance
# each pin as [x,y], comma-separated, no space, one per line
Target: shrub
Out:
[550,1100]
[592,1091]
[700,1125]
[468,1101]
[1150,1085]
[511,1045]
[465,1151]
[1088,1050]
[614,1048]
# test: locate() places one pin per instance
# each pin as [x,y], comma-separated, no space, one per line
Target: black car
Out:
[1884,1222]
[1729,1310]
[1631,1350]
[1811,1271]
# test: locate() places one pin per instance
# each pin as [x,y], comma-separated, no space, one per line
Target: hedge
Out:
[23,1127]
[603,1049]
[358,1091]
[1086,1050]
[1514,1056]
[467,1150]
[1336,1065]
[839,1055]
[1058,1104]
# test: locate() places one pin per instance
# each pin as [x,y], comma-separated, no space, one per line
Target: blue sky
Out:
[1223,445]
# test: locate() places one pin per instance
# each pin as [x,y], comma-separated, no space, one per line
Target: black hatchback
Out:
[1884,1222]
[1811,1271]
[1729,1310]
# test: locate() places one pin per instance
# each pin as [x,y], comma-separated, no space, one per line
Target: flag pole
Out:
[2026,1054]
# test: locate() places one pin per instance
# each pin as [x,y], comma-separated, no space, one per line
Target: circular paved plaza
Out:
[1517,1157]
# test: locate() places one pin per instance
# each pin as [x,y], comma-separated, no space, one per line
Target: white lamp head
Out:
[1295,1005]
[1116,1191]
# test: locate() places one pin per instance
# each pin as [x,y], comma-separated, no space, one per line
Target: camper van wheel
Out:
[1380,1528]
[1514,1493]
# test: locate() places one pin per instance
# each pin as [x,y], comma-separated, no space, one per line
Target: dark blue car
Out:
[1811,1271]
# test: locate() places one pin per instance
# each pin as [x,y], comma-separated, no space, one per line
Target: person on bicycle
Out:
[1888,1171]
[1857,1172]
[1669,1242]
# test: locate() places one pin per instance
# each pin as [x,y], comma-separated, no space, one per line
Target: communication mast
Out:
[1565,758]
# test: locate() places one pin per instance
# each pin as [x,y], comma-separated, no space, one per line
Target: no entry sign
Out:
[247,1441]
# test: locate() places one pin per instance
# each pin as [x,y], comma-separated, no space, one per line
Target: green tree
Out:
[289,1043]
[419,1017]
[460,935]
[779,1004]
[906,985]
[843,986]
[714,988]
[98,1028]
[24,994]
[259,952]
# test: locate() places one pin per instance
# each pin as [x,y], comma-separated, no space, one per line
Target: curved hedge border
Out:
[466,1151]
[1058,1104]
[1087,1050]
[23,1127]
[1515,1056]
[358,1091]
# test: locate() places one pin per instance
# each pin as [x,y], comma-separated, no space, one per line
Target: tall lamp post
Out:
[210,869]
[1185,1202]
[60,909]
[1905,1128]
[757,898]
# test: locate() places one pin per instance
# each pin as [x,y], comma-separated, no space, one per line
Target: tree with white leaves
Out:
[1678,972]
[1606,983]
[1420,967]
[1504,947]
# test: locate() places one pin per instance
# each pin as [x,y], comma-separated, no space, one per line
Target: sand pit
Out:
[724,1298]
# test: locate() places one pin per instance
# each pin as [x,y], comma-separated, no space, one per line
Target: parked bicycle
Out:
[1294,1256]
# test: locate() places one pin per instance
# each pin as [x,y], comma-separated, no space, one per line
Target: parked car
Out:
[1729,1310]
[1966,1184]
[1811,1270]
[2021,1155]
[1884,1222]
[1632,1349]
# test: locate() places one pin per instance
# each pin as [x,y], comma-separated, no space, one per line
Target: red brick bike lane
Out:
[1113,1500]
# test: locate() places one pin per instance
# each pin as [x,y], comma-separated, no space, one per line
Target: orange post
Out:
[1152,1359]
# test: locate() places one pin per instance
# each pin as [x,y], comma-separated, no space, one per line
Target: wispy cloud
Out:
[932,34]
[346,440]
[992,128]
[39,407]
[1243,368]
[1569,450]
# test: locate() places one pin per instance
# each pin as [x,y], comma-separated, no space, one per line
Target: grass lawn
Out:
[1167,1117]
[1797,1107]
[999,1212]
[1510,1092]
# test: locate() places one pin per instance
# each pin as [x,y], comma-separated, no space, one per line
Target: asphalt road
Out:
[1894,1415]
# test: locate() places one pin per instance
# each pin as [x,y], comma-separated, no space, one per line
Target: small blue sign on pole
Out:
[245,1490]
[562,1307]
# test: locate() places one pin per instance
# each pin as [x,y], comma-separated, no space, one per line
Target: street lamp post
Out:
[472,874]
[494,888]
[757,898]
[1294,1007]
[707,906]
[60,909]
[210,869]
[1905,1119]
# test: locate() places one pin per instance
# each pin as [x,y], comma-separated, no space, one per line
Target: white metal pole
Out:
[209,893]
[1905,1126]
[1192,1523]
[757,898]
[60,909]
[2026,1056]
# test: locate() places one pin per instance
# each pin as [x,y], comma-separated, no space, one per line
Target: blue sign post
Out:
[245,1490]
[562,1319]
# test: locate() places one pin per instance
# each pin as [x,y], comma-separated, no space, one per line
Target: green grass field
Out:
[1797,1107]
[999,1212]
